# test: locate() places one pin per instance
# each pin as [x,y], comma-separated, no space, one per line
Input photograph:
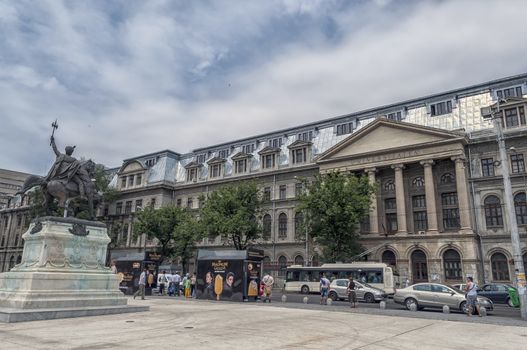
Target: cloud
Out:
[131,77]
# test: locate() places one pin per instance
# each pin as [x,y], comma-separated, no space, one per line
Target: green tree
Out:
[232,212]
[176,230]
[334,205]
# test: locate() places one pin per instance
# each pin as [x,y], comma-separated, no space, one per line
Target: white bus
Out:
[307,279]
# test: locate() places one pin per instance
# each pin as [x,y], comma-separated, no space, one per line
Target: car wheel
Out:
[333,296]
[304,290]
[509,302]
[409,302]
[463,307]
[369,298]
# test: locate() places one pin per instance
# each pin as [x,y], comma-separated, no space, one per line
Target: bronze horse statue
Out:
[65,190]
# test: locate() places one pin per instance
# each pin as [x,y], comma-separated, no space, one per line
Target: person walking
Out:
[472,297]
[193,286]
[186,285]
[142,282]
[324,289]
[268,282]
[176,279]
[352,295]
[161,280]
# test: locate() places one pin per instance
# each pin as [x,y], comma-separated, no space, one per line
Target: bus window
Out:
[374,276]
[343,274]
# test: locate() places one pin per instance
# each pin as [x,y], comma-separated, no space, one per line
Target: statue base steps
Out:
[62,274]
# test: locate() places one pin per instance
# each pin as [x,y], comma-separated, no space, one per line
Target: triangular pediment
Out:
[216,160]
[269,150]
[193,164]
[241,155]
[299,144]
[384,135]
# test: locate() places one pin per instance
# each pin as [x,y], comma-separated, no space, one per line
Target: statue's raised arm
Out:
[54,146]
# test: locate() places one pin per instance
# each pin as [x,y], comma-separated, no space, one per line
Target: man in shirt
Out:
[351,292]
[324,289]
[142,283]
[176,279]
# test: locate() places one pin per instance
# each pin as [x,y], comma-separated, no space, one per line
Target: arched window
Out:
[418,182]
[500,267]
[282,264]
[299,260]
[19,259]
[493,214]
[452,265]
[299,219]
[267,223]
[11,262]
[282,225]
[389,186]
[447,178]
[388,257]
[521,208]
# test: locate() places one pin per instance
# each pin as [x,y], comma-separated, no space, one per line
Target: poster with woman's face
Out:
[220,280]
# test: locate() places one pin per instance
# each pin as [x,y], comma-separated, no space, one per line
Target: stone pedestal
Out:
[62,274]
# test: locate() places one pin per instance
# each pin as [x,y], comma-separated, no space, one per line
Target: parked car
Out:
[435,295]
[460,286]
[497,292]
[338,291]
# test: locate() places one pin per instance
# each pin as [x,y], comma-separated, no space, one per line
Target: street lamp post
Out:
[497,120]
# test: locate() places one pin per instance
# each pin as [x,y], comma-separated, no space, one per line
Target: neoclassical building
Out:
[438,212]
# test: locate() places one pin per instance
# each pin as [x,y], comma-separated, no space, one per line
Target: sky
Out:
[126,78]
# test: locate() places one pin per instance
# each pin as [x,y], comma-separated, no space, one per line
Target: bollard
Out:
[446,309]
[482,311]
[382,305]
[305,300]
[329,301]
[413,307]
[284,298]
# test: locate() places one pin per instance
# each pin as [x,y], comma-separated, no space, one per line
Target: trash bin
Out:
[513,294]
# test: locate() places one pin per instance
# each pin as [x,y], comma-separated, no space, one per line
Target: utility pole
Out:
[508,206]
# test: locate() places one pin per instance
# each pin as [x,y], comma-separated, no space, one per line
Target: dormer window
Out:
[151,162]
[515,91]
[216,166]
[201,158]
[242,162]
[249,148]
[215,170]
[224,153]
[441,108]
[192,174]
[275,143]
[345,128]
[299,152]
[299,155]
[268,161]
[269,157]
[397,116]
[306,136]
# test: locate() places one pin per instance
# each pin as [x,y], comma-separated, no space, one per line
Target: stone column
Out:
[374,212]
[400,198]
[462,193]
[431,210]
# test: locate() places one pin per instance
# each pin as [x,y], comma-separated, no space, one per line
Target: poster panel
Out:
[220,280]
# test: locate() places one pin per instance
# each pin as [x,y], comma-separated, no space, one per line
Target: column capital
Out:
[458,159]
[370,170]
[427,162]
[398,167]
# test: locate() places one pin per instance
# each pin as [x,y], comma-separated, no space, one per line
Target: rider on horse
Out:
[68,168]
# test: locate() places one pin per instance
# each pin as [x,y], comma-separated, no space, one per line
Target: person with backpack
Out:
[472,297]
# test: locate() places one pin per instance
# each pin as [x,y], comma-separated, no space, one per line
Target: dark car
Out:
[497,292]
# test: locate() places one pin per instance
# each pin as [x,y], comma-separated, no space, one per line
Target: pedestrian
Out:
[186,285]
[193,285]
[268,282]
[161,280]
[324,289]
[176,279]
[472,297]
[142,282]
[352,295]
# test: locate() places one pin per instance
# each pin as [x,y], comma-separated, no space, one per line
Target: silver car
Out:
[338,290]
[435,295]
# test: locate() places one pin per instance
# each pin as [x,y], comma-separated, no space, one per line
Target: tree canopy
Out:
[334,205]
[232,212]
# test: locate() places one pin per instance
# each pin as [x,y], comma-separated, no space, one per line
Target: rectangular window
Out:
[249,148]
[276,143]
[190,202]
[119,208]
[152,202]
[395,116]
[283,189]
[517,164]
[240,166]
[346,128]
[192,174]
[215,170]
[128,207]
[305,136]
[123,182]
[509,92]
[267,194]
[151,162]
[299,155]
[419,201]
[268,161]
[18,220]
[441,108]
[487,167]
[451,218]
[130,181]
[224,153]
[138,179]
[178,203]
[390,204]
[521,111]
[391,222]
[201,158]
[420,221]
[511,117]
[449,198]
[299,189]
[138,204]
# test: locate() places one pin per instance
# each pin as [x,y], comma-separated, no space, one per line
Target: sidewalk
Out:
[211,325]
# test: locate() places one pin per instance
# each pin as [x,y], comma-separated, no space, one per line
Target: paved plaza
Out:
[176,323]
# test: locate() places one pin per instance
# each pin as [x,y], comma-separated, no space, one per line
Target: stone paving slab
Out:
[176,323]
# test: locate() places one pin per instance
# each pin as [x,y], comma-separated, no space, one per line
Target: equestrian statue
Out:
[67,179]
